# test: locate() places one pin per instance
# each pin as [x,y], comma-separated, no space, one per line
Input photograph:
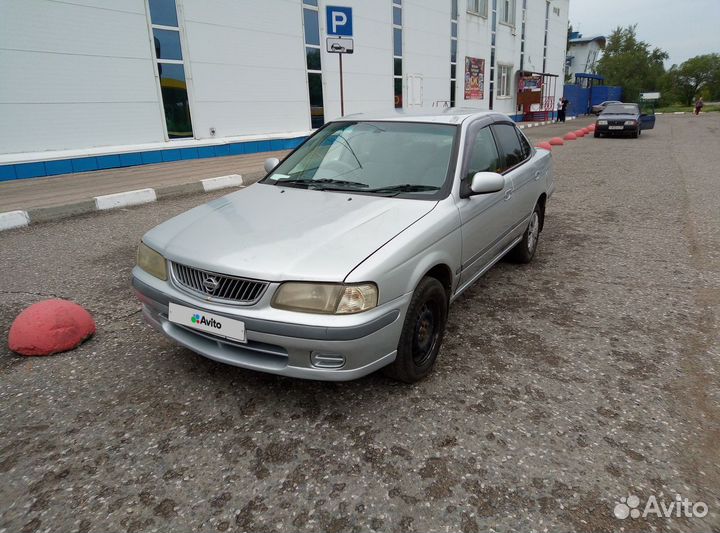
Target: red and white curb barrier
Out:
[21,218]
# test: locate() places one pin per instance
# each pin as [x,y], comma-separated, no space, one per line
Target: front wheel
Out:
[422,333]
[524,251]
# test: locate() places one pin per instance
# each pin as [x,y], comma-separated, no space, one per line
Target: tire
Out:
[596,134]
[524,251]
[636,133]
[422,333]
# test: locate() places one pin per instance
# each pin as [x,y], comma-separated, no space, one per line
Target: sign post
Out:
[339,24]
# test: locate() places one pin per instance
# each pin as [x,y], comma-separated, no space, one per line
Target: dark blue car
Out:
[623,119]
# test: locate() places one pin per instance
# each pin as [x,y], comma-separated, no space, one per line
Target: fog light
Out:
[327,360]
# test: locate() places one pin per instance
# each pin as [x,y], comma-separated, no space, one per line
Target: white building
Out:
[583,53]
[93,78]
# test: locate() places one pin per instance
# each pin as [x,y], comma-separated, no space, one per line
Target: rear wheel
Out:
[596,134]
[422,333]
[525,249]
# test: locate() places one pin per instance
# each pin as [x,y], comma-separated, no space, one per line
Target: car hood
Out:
[281,233]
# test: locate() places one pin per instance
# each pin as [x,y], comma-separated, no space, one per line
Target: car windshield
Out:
[383,158]
[621,109]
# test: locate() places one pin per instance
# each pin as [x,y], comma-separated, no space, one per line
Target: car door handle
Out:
[508,194]
[537,175]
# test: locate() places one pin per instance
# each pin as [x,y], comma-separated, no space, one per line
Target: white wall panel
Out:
[64,78]
[254,119]
[426,32]
[76,76]
[368,72]
[60,28]
[40,127]
[473,41]
[248,58]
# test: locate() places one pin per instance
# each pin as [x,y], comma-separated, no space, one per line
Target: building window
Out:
[477,7]
[507,12]
[167,51]
[504,77]
[313,66]
[453,49]
[397,53]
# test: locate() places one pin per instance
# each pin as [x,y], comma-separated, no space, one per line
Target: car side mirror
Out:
[487,182]
[271,163]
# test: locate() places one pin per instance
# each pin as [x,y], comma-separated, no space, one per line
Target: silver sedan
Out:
[344,259]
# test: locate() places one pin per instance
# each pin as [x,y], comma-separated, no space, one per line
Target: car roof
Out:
[621,104]
[448,115]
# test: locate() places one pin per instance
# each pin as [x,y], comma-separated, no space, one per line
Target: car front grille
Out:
[616,122]
[216,286]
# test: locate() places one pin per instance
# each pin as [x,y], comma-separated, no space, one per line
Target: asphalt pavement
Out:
[562,386]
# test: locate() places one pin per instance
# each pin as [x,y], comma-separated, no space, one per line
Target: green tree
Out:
[632,64]
[697,75]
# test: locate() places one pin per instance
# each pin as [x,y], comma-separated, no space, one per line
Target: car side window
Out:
[512,152]
[484,155]
[524,145]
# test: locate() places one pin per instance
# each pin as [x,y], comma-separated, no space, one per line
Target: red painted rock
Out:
[50,326]
[591,127]
[570,136]
[579,133]
[557,141]
[587,130]
[544,145]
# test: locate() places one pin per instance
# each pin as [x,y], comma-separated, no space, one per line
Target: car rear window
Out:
[620,109]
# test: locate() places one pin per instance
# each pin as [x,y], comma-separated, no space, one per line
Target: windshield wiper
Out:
[405,187]
[322,181]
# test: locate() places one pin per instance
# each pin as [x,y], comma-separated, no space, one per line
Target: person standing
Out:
[699,105]
[565,103]
[559,117]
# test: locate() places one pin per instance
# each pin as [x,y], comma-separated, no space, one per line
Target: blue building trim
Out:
[131,159]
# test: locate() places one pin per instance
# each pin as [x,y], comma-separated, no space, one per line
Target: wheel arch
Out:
[542,201]
[443,274]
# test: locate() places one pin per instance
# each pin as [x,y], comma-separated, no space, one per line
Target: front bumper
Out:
[605,130]
[365,342]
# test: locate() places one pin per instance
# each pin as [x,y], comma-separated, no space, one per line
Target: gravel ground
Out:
[562,386]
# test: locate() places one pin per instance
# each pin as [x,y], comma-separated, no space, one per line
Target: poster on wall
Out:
[474,78]
[532,82]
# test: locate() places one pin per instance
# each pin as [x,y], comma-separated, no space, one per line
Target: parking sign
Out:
[339,21]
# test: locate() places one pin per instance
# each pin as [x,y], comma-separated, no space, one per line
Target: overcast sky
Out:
[683,28]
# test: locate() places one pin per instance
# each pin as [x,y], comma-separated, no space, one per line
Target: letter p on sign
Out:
[339,21]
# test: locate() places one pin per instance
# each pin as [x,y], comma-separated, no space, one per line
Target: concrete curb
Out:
[14,219]
[545,123]
[125,199]
[22,218]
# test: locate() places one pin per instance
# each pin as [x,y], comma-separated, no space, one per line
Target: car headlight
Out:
[151,262]
[326,298]
[602,122]
[630,122]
